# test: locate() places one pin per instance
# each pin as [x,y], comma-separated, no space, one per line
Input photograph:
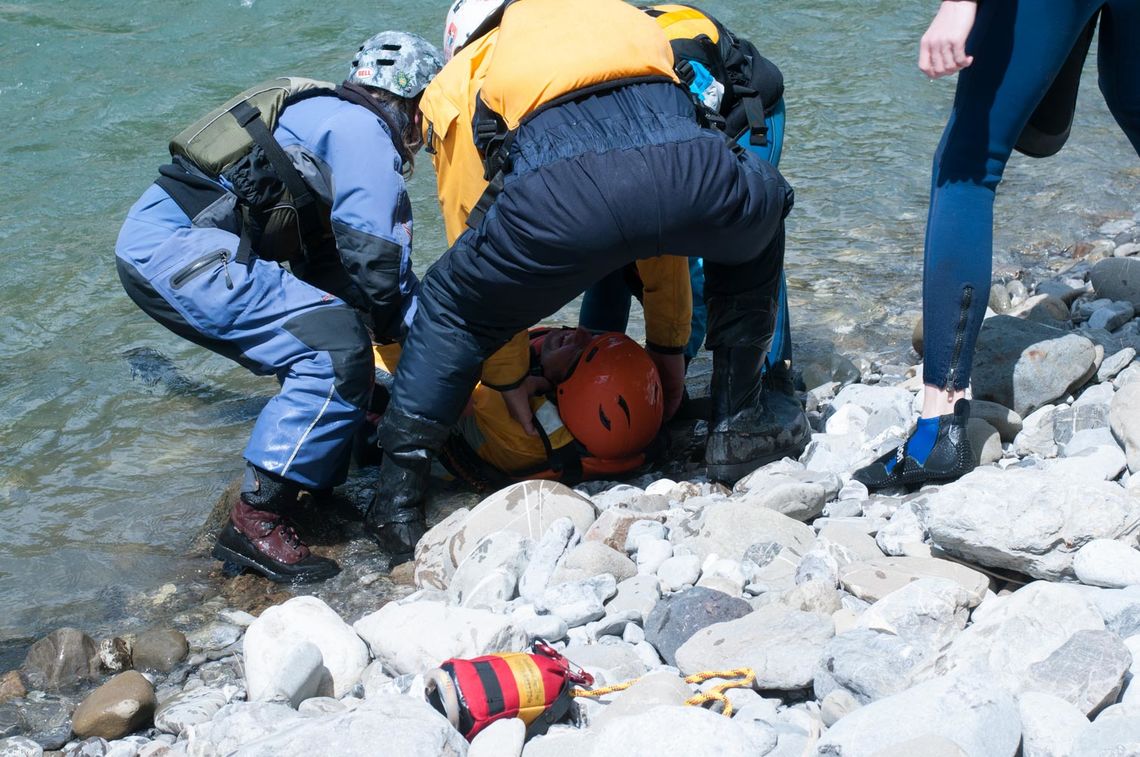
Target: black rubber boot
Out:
[395,518]
[755,421]
[259,538]
[951,458]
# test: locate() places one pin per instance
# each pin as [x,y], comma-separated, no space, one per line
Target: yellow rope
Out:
[745,678]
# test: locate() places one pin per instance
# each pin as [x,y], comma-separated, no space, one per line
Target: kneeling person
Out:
[600,417]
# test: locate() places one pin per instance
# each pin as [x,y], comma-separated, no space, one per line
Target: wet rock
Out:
[189,708]
[122,705]
[679,572]
[20,746]
[675,619]
[114,655]
[1117,279]
[213,637]
[654,689]
[159,649]
[1087,670]
[1009,634]
[11,687]
[870,665]
[591,558]
[63,659]
[94,747]
[1024,365]
[440,632]
[1108,563]
[269,645]
[46,720]
[729,528]
[490,573]
[557,538]
[1049,725]
[1124,419]
[503,738]
[1115,363]
[780,644]
[403,725]
[976,715]
[1023,520]
[875,579]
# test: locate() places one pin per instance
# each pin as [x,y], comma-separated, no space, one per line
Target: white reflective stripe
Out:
[547,416]
[309,430]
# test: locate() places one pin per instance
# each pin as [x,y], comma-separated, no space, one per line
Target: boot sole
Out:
[225,554]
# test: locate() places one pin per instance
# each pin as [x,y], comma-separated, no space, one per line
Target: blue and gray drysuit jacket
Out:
[296,323]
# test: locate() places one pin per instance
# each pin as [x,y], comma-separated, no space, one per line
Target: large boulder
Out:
[125,703]
[675,730]
[1124,419]
[1023,365]
[1024,520]
[1049,725]
[782,645]
[975,714]
[303,622]
[414,637]
[1117,279]
[63,659]
[490,572]
[729,528]
[870,665]
[401,725]
[676,618]
[873,580]
[1010,634]
[1087,670]
[527,508]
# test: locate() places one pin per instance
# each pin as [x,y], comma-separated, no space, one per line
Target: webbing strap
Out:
[249,118]
[757,129]
[566,461]
[486,200]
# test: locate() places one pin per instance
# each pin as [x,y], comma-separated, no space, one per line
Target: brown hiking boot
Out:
[262,540]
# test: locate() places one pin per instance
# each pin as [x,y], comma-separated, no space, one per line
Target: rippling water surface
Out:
[115,437]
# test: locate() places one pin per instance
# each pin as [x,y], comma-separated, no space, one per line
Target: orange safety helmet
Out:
[612,402]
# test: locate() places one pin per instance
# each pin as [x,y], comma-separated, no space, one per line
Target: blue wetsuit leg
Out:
[1018,48]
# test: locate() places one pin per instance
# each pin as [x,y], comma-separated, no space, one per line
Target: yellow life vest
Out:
[548,49]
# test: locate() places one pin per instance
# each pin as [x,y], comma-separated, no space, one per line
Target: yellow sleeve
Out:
[509,365]
[447,106]
[668,301]
[501,442]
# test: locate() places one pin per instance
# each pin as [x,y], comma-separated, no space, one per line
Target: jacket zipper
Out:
[201,265]
[960,334]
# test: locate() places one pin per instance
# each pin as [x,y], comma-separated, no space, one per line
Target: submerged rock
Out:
[63,659]
[159,649]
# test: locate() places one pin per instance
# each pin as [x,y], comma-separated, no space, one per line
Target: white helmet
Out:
[463,20]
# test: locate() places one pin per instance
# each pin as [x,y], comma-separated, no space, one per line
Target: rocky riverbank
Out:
[994,616]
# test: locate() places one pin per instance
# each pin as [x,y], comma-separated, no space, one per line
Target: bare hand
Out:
[672,371]
[518,401]
[942,50]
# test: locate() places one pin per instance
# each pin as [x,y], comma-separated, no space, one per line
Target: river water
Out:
[109,457]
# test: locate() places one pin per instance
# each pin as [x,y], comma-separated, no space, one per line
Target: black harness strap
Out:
[565,461]
[308,217]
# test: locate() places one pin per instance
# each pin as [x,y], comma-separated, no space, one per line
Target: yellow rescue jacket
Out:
[488,430]
[608,38]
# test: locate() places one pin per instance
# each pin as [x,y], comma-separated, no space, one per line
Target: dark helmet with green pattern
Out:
[397,62]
